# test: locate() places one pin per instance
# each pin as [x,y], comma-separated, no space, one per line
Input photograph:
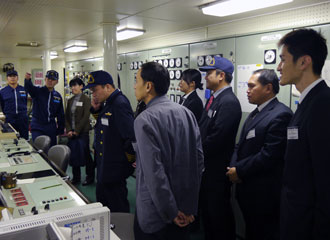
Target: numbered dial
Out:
[178,62]
[172,74]
[208,60]
[171,63]
[165,63]
[200,61]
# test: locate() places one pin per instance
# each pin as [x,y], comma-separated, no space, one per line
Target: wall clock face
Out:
[270,56]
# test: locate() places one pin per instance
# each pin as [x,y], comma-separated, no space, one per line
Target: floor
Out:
[89,192]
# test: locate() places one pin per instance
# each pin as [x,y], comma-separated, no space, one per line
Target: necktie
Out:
[209,103]
[254,113]
[181,100]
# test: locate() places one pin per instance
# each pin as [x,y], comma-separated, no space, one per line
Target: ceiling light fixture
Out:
[74,46]
[53,55]
[127,33]
[231,7]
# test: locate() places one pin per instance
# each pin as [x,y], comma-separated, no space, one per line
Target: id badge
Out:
[210,113]
[105,121]
[293,133]
[251,134]
[79,104]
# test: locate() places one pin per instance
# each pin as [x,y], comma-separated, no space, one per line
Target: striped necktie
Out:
[209,103]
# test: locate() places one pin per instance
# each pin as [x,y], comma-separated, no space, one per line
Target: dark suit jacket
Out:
[305,200]
[218,128]
[194,104]
[259,157]
[81,115]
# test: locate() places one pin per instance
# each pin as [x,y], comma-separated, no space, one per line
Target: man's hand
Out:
[95,104]
[70,134]
[232,174]
[28,76]
[183,220]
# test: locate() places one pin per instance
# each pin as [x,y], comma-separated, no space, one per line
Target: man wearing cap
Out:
[258,159]
[169,160]
[13,100]
[218,125]
[114,135]
[47,111]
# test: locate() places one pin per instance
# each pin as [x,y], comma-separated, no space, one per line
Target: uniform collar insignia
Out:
[108,114]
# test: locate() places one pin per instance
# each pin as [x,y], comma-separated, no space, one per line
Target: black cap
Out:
[12,72]
[52,74]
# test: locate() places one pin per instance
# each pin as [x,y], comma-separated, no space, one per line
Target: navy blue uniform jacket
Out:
[114,134]
[13,102]
[194,104]
[259,157]
[46,107]
[218,129]
[305,202]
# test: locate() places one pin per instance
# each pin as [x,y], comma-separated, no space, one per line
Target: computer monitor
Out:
[92,220]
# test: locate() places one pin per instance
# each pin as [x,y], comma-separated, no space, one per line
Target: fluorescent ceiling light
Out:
[53,55]
[74,46]
[127,33]
[94,59]
[231,7]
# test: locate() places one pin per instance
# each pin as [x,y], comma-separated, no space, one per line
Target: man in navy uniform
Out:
[13,99]
[114,134]
[219,124]
[47,111]
[257,163]
[305,200]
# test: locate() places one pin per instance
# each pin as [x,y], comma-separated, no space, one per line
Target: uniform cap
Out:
[52,74]
[99,78]
[12,72]
[220,63]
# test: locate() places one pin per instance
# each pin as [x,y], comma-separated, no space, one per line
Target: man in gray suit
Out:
[169,161]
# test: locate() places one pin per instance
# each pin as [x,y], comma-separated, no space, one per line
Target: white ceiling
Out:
[54,22]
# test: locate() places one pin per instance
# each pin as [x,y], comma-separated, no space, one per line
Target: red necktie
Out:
[209,103]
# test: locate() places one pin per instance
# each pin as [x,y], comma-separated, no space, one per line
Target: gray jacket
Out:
[169,163]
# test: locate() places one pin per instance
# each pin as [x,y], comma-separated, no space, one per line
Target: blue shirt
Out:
[47,105]
[13,101]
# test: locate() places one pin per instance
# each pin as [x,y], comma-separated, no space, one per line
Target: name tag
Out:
[210,113]
[251,134]
[79,104]
[105,121]
[293,133]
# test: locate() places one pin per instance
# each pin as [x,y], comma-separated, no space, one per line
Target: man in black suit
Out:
[258,159]
[305,199]
[191,80]
[218,126]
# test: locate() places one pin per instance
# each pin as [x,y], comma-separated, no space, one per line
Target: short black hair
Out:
[268,76]
[307,42]
[228,76]
[76,81]
[158,75]
[193,75]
